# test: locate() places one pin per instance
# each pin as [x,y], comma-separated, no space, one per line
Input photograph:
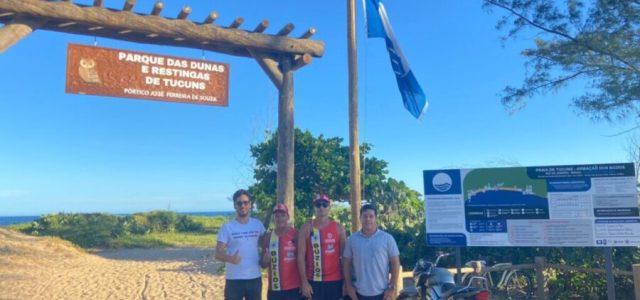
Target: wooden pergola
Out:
[277,54]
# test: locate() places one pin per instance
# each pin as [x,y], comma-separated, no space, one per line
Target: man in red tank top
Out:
[320,245]
[280,257]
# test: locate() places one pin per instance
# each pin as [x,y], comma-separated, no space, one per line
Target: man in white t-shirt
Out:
[238,248]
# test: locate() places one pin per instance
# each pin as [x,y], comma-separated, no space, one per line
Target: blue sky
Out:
[65,152]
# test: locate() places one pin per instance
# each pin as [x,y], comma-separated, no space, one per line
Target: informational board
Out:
[128,74]
[554,206]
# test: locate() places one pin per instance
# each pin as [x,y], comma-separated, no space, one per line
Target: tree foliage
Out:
[322,166]
[597,41]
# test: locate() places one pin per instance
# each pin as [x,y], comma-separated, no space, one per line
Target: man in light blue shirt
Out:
[373,254]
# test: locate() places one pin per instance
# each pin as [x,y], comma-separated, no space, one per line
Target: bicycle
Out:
[510,284]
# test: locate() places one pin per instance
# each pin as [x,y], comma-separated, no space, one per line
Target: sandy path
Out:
[48,268]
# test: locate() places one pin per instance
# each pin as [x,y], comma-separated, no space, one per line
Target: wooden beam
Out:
[157,8]
[286,136]
[16,30]
[184,12]
[286,30]
[128,5]
[237,22]
[262,26]
[217,39]
[301,61]
[311,31]
[211,18]
[269,66]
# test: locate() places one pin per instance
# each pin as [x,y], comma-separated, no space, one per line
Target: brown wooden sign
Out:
[128,74]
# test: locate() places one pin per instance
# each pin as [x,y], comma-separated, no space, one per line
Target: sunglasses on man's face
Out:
[243,203]
[322,204]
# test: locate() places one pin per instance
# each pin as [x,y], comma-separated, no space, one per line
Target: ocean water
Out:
[6,221]
[10,220]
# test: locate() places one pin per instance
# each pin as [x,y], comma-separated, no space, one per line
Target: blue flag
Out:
[378,25]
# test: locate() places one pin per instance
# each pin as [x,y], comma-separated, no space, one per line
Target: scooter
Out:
[435,283]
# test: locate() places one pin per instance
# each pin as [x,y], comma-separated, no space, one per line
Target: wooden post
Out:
[636,280]
[608,265]
[458,276]
[15,31]
[270,67]
[286,137]
[540,281]
[354,139]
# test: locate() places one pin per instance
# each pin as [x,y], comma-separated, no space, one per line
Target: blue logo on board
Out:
[442,182]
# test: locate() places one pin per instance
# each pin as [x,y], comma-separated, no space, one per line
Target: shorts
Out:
[292,294]
[326,290]
[243,289]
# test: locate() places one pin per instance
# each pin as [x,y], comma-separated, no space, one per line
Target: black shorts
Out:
[293,294]
[326,290]
[243,289]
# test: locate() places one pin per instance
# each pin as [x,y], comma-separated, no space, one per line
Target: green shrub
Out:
[210,224]
[187,224]
[162,221]
[154,221]
[151,229]
[84,230]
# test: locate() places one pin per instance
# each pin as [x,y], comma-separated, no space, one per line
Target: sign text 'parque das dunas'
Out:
[128,74]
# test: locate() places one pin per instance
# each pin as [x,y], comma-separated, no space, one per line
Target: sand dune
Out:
[50,268]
